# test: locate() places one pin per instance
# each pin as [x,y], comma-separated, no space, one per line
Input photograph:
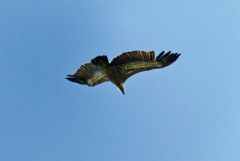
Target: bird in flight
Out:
[120,68]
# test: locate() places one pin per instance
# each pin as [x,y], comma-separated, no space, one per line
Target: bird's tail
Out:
[168,58]
[101,61]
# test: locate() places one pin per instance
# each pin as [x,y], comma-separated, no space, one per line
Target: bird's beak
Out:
[121,88]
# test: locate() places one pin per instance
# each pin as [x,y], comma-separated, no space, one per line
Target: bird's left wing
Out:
[88,74]
[137,61]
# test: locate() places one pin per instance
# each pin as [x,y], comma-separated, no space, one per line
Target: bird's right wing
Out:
[88,74]
[137,61]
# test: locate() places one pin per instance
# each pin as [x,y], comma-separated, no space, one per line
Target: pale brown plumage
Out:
[121,68]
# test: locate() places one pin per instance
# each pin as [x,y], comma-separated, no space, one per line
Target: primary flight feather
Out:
[120,68]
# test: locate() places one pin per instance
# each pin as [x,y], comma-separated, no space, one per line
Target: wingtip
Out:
[69,76]
[177,55]
[167,58]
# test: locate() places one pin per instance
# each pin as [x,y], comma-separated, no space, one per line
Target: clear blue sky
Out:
[188,111]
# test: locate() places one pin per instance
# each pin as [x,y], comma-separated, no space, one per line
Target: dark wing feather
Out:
[133,56]
[137,61]
[88,74]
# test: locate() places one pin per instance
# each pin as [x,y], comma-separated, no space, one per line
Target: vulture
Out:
[120,68]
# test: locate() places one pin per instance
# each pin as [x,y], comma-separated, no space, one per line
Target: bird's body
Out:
[120,68]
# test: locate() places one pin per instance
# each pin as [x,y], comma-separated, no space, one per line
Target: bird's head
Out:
[121,87]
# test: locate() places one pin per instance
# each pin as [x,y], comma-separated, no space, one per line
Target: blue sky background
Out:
[188,111]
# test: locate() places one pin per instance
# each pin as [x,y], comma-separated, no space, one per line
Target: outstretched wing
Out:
[88,74]
[134,62]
